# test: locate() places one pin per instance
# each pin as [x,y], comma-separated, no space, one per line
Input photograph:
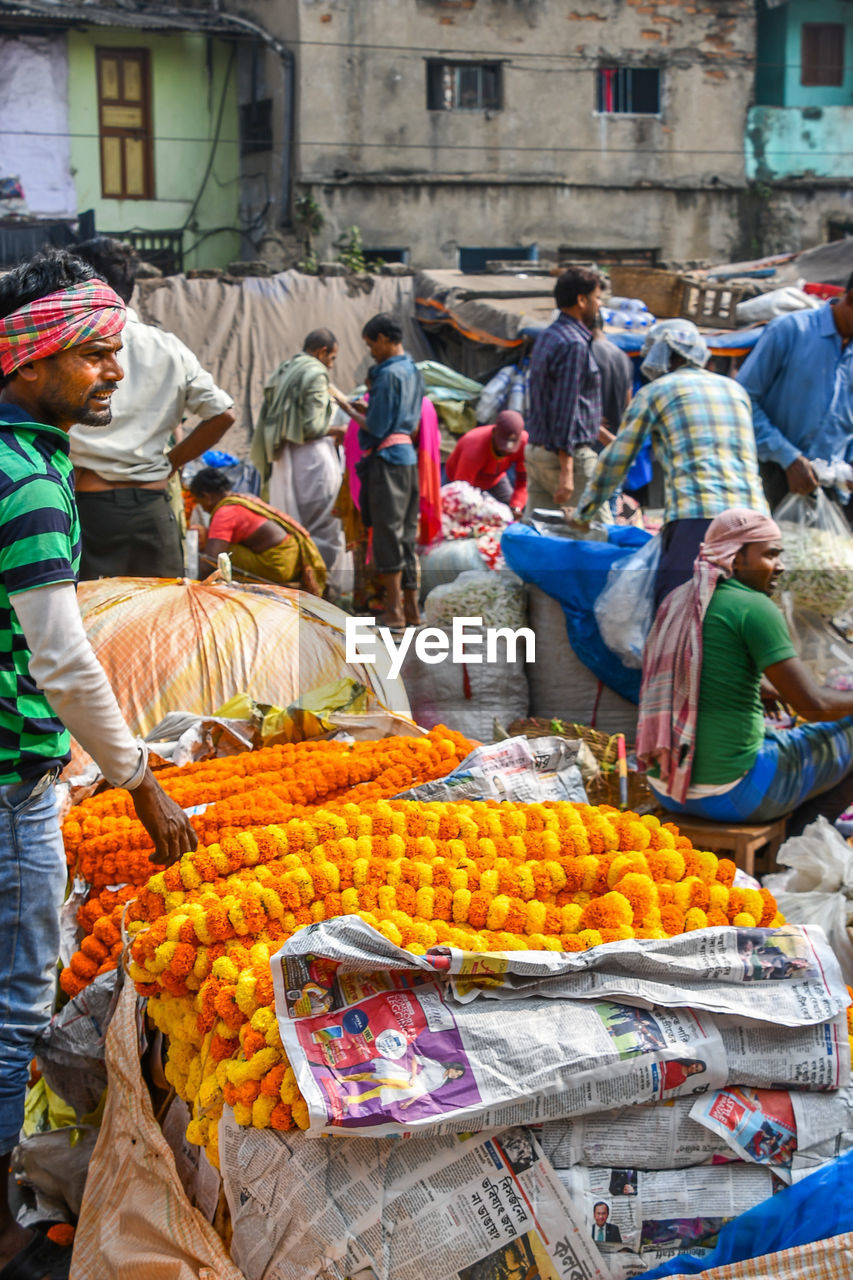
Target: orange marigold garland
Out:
[107,844]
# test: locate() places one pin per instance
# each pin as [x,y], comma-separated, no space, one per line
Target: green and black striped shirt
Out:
[39,545]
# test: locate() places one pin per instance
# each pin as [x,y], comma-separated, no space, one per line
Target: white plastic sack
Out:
[561,685]
[819,859]
[625,610]
[498,597]
[818,888]
[469,696]
[57,1163]
[778,302]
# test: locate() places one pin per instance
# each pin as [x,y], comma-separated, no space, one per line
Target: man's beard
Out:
[93,417]
[92,413]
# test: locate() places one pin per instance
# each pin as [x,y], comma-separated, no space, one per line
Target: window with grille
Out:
[822,53]
[124,120]
[463,86]
[631,91]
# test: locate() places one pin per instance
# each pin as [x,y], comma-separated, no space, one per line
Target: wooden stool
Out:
[739,843]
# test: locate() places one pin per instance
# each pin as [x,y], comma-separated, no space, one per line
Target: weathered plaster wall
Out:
[34,144]
[785,142]
[493,177]
[436,220]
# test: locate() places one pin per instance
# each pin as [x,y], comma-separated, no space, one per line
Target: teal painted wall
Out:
[772,44]
[780,42]
[189,74]
[799,129]
[785,142]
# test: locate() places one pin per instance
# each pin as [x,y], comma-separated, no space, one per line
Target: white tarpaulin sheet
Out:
[242,332]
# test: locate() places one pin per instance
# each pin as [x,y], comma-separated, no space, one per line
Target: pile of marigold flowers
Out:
[106,845]
[478,876]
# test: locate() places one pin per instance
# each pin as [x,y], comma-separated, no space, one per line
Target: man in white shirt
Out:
[122,474]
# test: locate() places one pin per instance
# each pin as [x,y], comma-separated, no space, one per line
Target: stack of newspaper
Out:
[576,1116]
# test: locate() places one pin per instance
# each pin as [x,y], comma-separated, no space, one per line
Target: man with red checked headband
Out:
[60,335]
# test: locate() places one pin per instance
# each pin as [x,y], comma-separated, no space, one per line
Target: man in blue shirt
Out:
[800,380]
[390,493]
[565,415]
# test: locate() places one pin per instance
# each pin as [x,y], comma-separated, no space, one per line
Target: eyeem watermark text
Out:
[469,641]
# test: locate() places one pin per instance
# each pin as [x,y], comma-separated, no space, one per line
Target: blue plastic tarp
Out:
[720,344]
[575,572]
[818,1207]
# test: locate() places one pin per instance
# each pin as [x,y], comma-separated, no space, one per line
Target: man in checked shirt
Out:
[700,426]
[565,418]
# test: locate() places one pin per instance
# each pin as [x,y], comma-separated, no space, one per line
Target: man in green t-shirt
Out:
[60,333]
[718,647]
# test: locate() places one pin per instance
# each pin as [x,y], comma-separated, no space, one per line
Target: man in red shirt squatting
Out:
[484,456]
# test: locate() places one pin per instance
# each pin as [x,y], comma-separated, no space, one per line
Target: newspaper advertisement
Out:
[481,1207]
[384,1046]
[515,769]
[663,1131]
[789,1132]
[627,1208]
[758,1124]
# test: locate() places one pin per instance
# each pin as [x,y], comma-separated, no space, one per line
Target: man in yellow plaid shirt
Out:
[700,425]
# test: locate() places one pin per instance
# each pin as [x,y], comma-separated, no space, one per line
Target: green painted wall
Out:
[188,75]
[780,51]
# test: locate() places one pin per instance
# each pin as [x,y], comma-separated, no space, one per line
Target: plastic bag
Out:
[625,609]
[818,888]
[819,645]
[519,390]
[494,394]
[818,553]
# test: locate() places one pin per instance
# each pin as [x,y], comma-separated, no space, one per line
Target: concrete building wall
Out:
[546,165]
[191,83]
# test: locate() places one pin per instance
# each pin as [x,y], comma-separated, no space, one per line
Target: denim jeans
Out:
[792,766]
[33,877]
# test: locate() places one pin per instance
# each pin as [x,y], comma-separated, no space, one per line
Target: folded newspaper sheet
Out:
[735,1123]
[516,769]
[384,1042]
[482,1207]
[664,1132]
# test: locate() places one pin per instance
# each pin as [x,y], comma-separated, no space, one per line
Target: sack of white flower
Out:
[817,553]
[496,598]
